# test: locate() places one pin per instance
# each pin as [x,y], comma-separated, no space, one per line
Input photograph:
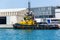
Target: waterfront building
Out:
[11,16]
[57,16]
[43,13]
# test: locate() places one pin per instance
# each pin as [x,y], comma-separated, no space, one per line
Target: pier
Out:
[6,26]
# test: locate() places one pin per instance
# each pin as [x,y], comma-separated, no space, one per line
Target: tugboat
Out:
[30,23]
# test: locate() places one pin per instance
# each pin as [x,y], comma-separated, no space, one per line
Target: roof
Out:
[12,10]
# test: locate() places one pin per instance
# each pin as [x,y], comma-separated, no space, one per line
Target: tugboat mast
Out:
[29,7]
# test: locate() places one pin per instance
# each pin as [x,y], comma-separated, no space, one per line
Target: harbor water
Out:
[17,34]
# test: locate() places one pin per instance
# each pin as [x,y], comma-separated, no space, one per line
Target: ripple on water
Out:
[15,34]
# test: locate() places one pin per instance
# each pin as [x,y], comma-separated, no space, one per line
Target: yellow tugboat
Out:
[28,20]
[30,23]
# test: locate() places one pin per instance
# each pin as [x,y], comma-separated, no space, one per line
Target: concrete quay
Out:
[6,26]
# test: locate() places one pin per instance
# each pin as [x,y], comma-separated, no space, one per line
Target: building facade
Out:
[57,16]
[43,13]
[11,16]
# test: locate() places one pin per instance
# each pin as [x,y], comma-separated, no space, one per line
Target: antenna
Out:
[29,6]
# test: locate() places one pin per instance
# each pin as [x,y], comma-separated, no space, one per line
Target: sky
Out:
[24,3]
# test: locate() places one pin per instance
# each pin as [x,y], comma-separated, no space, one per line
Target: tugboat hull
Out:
[19,26]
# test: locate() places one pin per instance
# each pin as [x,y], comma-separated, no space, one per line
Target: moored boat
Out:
[30,23]
[38,26]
